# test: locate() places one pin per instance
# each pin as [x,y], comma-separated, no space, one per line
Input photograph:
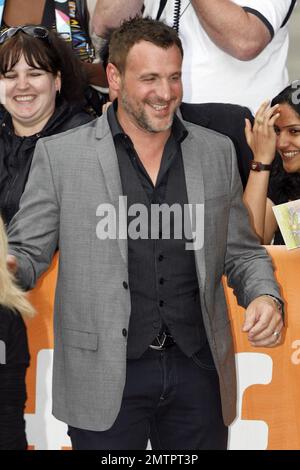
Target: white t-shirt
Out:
[212,75]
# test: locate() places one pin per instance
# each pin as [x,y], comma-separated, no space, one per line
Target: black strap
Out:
[48,19]
[162,5]
[293,4]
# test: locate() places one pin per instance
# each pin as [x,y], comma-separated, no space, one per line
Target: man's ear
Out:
[113,77]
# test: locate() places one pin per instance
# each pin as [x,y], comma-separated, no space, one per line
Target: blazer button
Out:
[125,285]
[124,332]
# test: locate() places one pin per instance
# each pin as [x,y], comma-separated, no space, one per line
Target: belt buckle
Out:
[160,342]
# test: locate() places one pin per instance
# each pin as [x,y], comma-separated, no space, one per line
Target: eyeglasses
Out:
[34,31]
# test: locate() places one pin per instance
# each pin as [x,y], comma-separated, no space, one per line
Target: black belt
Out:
[162,341]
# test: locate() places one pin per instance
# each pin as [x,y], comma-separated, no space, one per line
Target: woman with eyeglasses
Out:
[41,91]
[14,356]
[72,21]
[41,88]
[275,176]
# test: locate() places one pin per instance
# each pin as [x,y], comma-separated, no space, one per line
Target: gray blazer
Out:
[71,174]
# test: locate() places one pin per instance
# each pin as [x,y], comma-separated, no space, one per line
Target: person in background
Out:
[42,88]
[14,355]
[42,93]
[275,172]
[235,50]
[71,20]
[53,14]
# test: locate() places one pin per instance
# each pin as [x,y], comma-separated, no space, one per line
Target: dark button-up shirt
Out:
[162,274]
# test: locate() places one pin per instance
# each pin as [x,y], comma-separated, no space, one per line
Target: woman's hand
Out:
[262,137]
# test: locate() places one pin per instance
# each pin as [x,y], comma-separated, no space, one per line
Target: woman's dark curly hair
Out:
[52,54]
[287,184]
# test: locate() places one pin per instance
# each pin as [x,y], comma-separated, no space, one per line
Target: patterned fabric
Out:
[70,26]
[80,39]
[68,19]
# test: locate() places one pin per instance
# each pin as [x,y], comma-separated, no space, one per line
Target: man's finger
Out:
[271,341]
[249,321]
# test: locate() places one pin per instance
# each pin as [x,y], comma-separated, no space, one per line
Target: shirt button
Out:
[161,303]
[125,285]
[161,257]
[161,281]
[124,332]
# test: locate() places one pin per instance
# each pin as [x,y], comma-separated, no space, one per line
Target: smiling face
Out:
[287,128]
[150,89]
[29,95]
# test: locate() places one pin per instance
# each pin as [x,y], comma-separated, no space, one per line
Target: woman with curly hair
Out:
[275,176]
[14,355]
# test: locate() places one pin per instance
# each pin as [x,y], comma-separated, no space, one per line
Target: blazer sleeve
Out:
[33,232]
[248,266]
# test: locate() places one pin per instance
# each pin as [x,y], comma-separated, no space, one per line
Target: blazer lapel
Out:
[195,191]
[109,163]
[193,174]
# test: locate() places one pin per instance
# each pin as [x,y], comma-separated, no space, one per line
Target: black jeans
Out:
[168,398]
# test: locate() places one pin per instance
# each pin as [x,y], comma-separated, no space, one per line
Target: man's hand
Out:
[263,322]
[12,264]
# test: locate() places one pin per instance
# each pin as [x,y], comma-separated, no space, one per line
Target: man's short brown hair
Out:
[139,29]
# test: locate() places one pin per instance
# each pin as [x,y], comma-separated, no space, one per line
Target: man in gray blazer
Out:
[143,345]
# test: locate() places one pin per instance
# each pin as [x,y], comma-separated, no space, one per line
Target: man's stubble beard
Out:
[140,116]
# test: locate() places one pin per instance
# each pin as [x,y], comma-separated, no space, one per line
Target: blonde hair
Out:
[11,296]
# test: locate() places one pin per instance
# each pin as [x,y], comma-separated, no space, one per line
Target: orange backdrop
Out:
[275,403]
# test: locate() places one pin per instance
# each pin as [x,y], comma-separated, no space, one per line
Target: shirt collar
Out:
[113,121]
